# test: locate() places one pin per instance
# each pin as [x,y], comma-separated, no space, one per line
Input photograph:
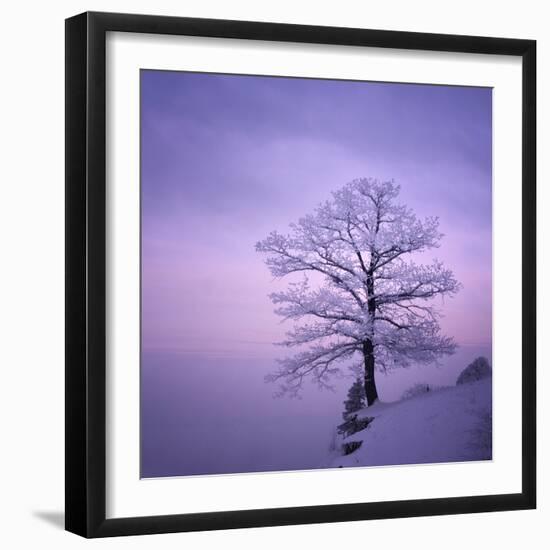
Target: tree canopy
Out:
[360,295]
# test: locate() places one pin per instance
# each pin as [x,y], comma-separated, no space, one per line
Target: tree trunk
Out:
[370,384]
[368,349]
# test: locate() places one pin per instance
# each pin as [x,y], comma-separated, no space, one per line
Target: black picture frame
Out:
[86,274]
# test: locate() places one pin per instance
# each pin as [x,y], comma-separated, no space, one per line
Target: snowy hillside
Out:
[448,425]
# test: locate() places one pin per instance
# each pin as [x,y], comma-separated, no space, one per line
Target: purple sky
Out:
[226,159]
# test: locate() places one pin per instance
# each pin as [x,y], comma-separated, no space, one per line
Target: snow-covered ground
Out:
[451,424]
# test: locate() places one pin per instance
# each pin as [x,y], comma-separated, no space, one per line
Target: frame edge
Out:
[76,493]
[85,285]
[529,273]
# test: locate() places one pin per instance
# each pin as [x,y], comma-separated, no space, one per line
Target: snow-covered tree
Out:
[477,370]
[359,296]
[354,402]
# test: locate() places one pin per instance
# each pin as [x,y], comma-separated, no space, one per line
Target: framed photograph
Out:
[300,274]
